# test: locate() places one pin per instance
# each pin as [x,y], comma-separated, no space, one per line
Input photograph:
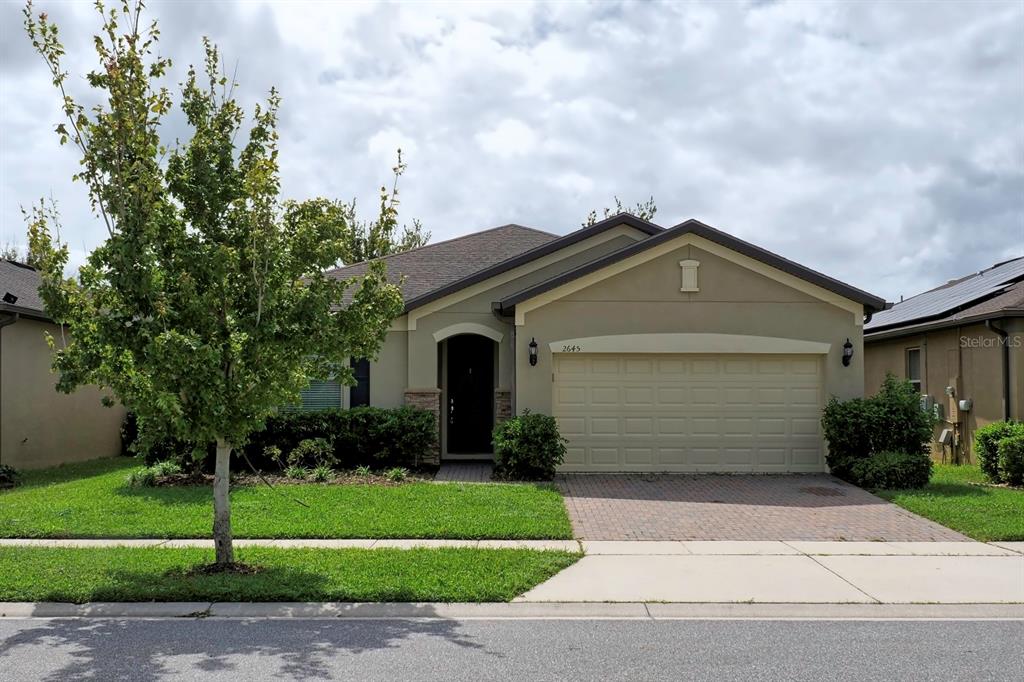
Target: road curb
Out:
[514,611]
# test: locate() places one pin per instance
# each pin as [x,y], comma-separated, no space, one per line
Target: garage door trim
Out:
[690,343]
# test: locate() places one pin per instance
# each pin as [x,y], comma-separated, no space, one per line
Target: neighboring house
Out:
[683,349]
[962,341]
[40,427]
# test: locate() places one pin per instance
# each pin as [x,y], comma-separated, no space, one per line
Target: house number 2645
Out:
[571,349]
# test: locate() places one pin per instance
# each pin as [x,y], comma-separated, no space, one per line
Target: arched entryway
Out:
[467,371]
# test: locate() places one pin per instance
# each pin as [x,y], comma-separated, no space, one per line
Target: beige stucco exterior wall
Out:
[476,309]
[389,371]
[968,358]
[40,427]
[647,299]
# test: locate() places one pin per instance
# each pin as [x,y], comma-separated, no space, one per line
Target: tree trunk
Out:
[222,505]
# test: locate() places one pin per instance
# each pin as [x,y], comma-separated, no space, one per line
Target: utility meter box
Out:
[927,402]
[966,404]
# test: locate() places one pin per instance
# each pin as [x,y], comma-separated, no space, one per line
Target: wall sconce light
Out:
[533,352]
[847,353]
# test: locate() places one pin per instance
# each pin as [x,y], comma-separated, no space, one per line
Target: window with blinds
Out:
[320,395]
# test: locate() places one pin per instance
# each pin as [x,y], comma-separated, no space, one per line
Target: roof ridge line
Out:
[445,241]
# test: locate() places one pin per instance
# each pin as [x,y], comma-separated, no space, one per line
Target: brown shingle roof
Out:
[435,266]
[21,281]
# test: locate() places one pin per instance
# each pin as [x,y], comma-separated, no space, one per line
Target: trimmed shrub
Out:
[894,470]
[1011,458]
[9,476]
[528,448]
[986,442]
[371,436]
[891,421]
[847,426]
[163,450]
[362,436]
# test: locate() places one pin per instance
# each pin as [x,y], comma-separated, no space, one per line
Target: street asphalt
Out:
[299,649]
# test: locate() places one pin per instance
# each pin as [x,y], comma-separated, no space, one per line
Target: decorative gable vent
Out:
[689,268]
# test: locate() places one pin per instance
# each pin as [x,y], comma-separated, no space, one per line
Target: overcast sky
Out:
[881,143]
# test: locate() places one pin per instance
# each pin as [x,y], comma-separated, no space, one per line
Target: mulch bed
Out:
[248,479]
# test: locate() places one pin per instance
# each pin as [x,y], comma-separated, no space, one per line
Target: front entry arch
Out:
[468,384]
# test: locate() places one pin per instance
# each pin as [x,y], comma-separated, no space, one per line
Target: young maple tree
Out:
[207,306]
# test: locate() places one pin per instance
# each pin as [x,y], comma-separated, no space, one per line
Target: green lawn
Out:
[956,498]
[91,500]
[155,574]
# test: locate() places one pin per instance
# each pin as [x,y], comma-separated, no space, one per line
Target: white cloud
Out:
[879,142]
[510,138]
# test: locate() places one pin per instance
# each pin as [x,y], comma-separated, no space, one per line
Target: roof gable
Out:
[699,229]
[437,270]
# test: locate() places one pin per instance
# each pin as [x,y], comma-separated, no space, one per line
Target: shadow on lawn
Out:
[108,649]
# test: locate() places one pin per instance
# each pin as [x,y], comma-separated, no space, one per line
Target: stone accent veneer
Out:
[428,399]
[502,405]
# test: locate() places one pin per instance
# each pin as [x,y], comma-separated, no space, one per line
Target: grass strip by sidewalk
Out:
[157,574]
[957,498]
[91,500]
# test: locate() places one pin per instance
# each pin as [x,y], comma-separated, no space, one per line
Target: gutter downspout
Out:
[5,322]
[1003,334]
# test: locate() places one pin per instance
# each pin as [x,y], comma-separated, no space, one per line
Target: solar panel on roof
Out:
[946,299]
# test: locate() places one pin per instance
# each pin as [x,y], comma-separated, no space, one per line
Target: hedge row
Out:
[362,436]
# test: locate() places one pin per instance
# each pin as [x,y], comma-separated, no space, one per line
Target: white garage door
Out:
[690,412]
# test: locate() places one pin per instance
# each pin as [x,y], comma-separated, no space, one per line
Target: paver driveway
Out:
[736,507]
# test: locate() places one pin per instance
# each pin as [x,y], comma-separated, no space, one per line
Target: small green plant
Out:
[528,447]
[396,474]
[893,471]
[986,446]
[321,473]
[296,472]
[313,452]
[364,471]
[147,477]
[1011,458]
[9,477]
[272,453]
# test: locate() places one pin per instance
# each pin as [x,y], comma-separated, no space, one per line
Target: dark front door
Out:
[470,400]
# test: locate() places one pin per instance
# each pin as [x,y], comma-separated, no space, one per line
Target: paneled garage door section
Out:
[690,412]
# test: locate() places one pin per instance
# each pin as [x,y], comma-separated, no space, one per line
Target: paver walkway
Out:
[464,472]
[737,507]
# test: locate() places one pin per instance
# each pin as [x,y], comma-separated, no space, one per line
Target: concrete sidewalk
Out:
[791,572]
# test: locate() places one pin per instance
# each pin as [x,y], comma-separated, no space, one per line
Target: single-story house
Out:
[40,427]
[681,349]
[962,345]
